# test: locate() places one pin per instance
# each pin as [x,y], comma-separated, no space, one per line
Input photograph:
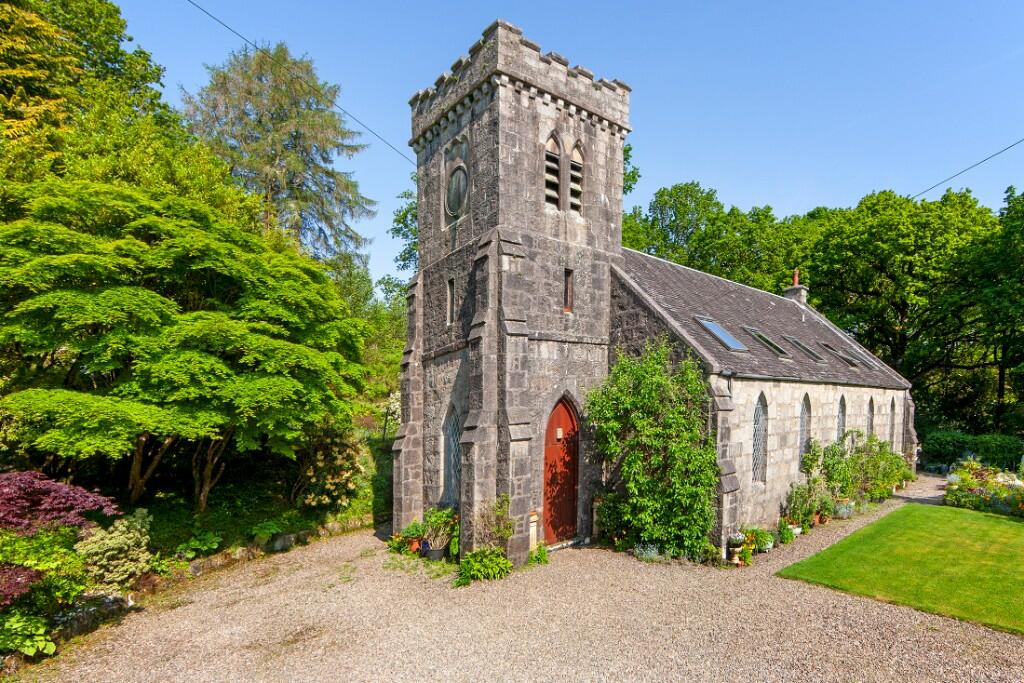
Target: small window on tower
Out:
[552,174]
[567,293]
[451,302]
[576,181]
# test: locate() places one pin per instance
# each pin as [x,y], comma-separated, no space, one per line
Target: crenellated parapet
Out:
[504,58]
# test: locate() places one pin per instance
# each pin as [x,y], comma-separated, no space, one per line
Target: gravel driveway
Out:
[339,610]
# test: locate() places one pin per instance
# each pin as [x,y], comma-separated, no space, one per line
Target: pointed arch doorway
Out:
[561,473]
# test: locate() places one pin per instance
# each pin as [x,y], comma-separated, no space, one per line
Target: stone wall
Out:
[512,351]
[760,504]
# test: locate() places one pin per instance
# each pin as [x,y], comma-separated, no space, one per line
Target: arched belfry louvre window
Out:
[871,417]
[841,419]
[452,463]
[805,426]
[552,173]
[759,464]
[576,181]
[892,424]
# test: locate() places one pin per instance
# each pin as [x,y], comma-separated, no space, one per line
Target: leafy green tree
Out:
[34,79]
[630,173]
[269,116]
[405,227]
[992,275]
[687,224]
[882,271]
[650,429]
[134,324]
[58,51]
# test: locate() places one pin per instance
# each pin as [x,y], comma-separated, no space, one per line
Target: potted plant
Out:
[438,524]
[735,543]
[413,535]
[761,539]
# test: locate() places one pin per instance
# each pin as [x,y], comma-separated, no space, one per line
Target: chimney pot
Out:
[797,292]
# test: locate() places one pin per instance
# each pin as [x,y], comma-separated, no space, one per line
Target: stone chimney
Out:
[797,292]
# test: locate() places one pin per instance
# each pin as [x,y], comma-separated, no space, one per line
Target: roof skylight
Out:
[721,334]
[846,358]
[805,348]
[764,339]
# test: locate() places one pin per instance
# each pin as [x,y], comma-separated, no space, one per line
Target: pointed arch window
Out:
[576,181]
[841,419]
[451,463]
[553,173]
[892,424]
[871,417]
[805,426]
[759,463]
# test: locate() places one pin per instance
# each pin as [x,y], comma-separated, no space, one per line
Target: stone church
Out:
[525,294]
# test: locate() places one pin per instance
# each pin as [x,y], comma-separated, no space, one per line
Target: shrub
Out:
[494,524]
[440,524]
[30,501]
[329,470]
[977,487]
[651,430]
[999,450]
[484,564]
[262,532]
[25,633]
[946,447]
[786,534]
[538,555]
[837,471]
[15,581]
[51,553]
[800,505]
[201,543]
[115,557]
[761,539]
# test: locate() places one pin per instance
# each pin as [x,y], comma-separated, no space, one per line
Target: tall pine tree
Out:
[269,116]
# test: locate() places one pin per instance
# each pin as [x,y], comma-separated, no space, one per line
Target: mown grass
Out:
[950,561]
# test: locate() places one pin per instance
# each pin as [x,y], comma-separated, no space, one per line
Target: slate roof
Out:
[680,295]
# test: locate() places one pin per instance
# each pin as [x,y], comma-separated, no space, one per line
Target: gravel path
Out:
[338,610]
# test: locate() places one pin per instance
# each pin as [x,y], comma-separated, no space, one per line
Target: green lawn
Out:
[945,560]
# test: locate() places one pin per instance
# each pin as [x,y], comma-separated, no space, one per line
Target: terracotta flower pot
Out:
[414,545]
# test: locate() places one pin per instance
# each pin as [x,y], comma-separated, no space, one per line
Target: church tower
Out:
[519,167]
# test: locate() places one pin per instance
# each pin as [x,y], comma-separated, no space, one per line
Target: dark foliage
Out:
[30,501]
[15,581]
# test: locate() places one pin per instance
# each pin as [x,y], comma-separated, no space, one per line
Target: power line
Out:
[974,165]
[315,86]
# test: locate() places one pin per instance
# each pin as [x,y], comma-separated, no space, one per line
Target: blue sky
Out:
[793,105]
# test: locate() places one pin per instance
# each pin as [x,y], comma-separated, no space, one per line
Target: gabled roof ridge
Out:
[717,277]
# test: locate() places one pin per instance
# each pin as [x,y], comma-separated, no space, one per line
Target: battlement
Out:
[503,57]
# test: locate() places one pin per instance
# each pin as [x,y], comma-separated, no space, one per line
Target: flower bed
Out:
[977,487]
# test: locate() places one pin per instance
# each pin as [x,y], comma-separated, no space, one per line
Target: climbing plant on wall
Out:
[650,429]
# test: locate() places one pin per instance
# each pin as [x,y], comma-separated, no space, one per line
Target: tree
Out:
[992,274]
[405,226]
[269,116]
[135,324]
[687,224]
[630,173]
[650,428]
[882,271]
[33,85]
[58,52]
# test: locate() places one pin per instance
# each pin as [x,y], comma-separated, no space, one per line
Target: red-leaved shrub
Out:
[15,581]
[30,501]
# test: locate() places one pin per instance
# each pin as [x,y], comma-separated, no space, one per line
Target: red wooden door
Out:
[561,467]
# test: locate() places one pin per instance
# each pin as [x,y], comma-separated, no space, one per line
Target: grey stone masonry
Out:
[525,295]
[491,337]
